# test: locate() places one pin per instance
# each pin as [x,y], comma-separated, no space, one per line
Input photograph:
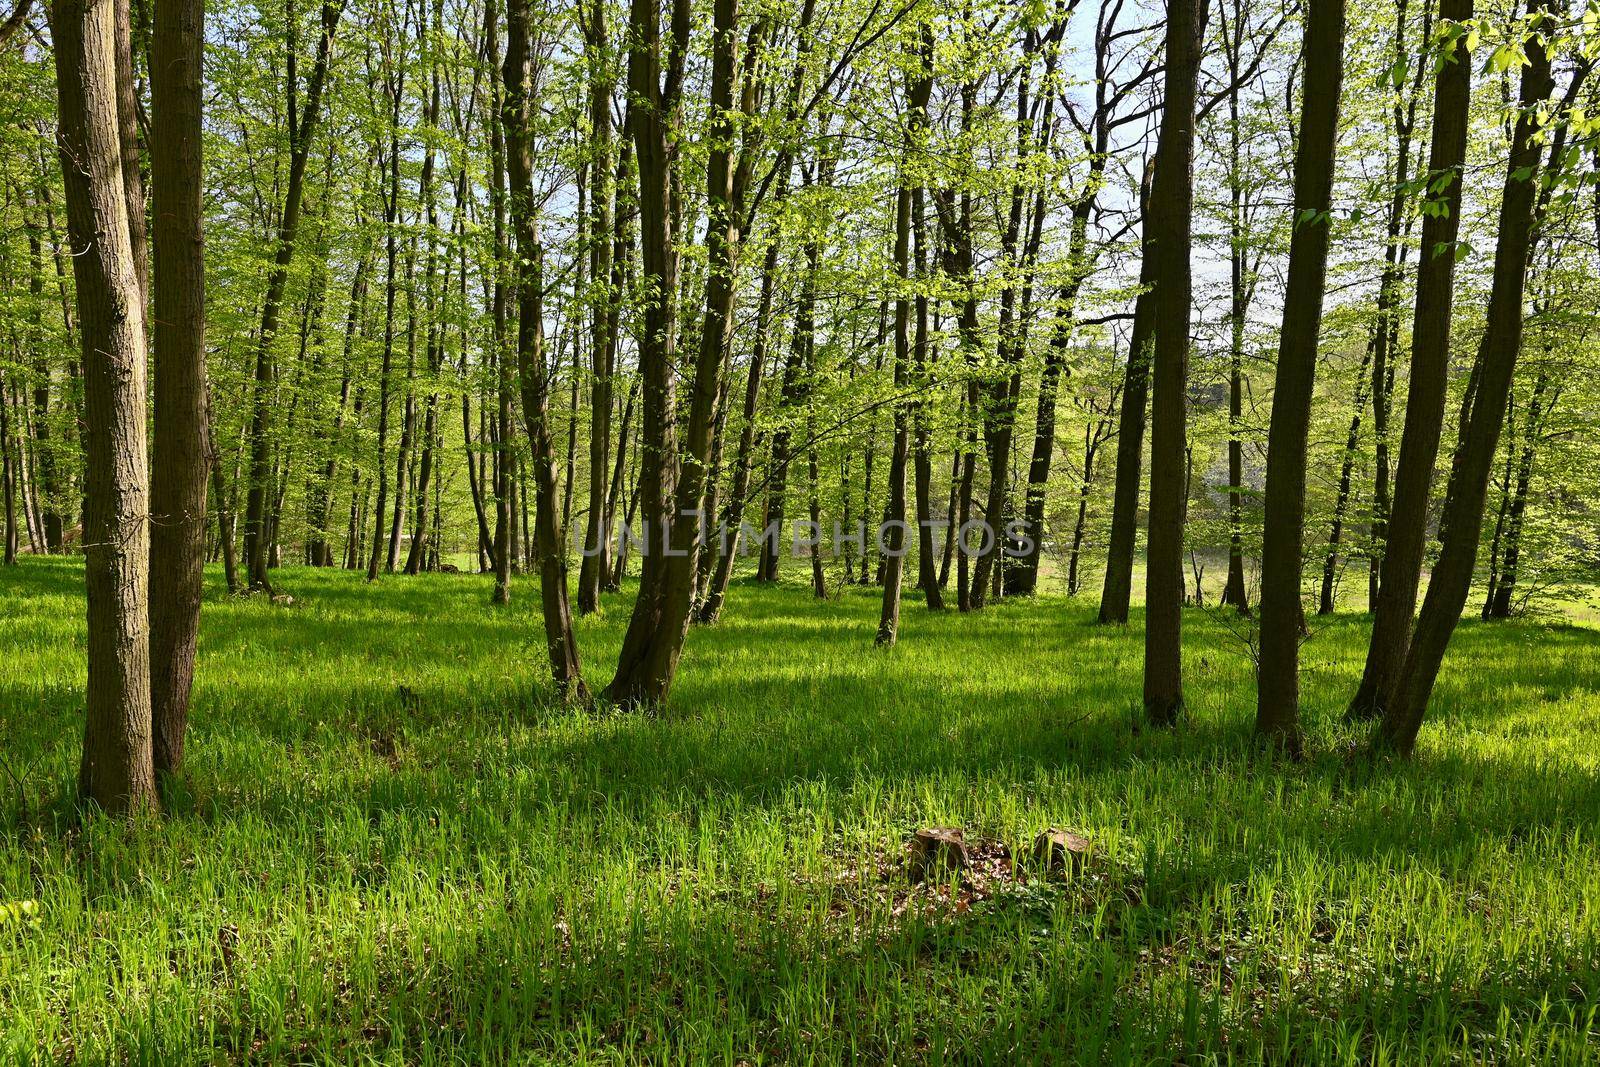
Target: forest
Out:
[759,531]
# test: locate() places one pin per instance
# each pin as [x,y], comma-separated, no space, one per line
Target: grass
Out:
[390,852]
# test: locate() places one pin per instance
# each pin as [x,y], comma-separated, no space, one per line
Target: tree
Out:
[1282,561]
[656,631]
[602,341]
[1462,520]
[918,90]
[1171,199]
[528,284]
[1131,418]
[1430,351]
[117,771]
[180,460]
[302,124]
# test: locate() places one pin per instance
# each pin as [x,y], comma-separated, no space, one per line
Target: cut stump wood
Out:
[935,852]
[1060,852]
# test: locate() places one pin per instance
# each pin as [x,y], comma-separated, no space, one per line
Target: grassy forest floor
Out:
[389,853]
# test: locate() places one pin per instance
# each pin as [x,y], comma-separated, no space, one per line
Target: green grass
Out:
[391,852]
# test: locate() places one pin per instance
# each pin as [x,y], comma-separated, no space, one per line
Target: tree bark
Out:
[528,281]
[180,459]
[670,475]
[1171,201]
[302,126]
[1117,590]
[597,535]
[1498,605]
[1406,537]
[1462,521]
[927,567]
[1341,504]
[8,475]
[918,93]
[505,549]
[117,770]
[1283,535]
[433,355]
[718,590]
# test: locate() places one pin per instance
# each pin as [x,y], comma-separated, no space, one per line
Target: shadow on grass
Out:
[390,743]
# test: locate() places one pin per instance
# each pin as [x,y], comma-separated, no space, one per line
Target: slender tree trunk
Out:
[319,552]
[1118,587]
[43,445]
[1387,338]
[895,523]
[1283,547]
[602,350]
[302,125]
[1000,408]
[408,418]
[1233,590]
[1330,563]
[927,568]
[1462,522]
[1509,439]
[1498,606]
[618,473]
[790,401]
[477,474]
[1406,536]
[621,274]
[433,356]
[386,363]
[180,460]
[8,475]
[951,510]
[117,770]
[517,120]
[659,625]
[805,343]
[919,91]
[1093,438]
[718,590]
[1171,200]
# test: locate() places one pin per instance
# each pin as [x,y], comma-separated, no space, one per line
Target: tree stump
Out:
[934,852]
[1060,852]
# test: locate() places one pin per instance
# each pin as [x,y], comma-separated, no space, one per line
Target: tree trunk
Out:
[1000,407]
[918,92]
[178,493]
[505,549]
[1171,200]
[8,475]
[433,355]
[43,447]
[319,551]
[927,568]
[117,770]
[1462,521]
[1498,606]
[301,128]
[1330,563]
[1283,548]
[619,470]
[1117,590]
[1406,536]
[528,281]
[894,533]
[597,536]
[718,590]
[671,475]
